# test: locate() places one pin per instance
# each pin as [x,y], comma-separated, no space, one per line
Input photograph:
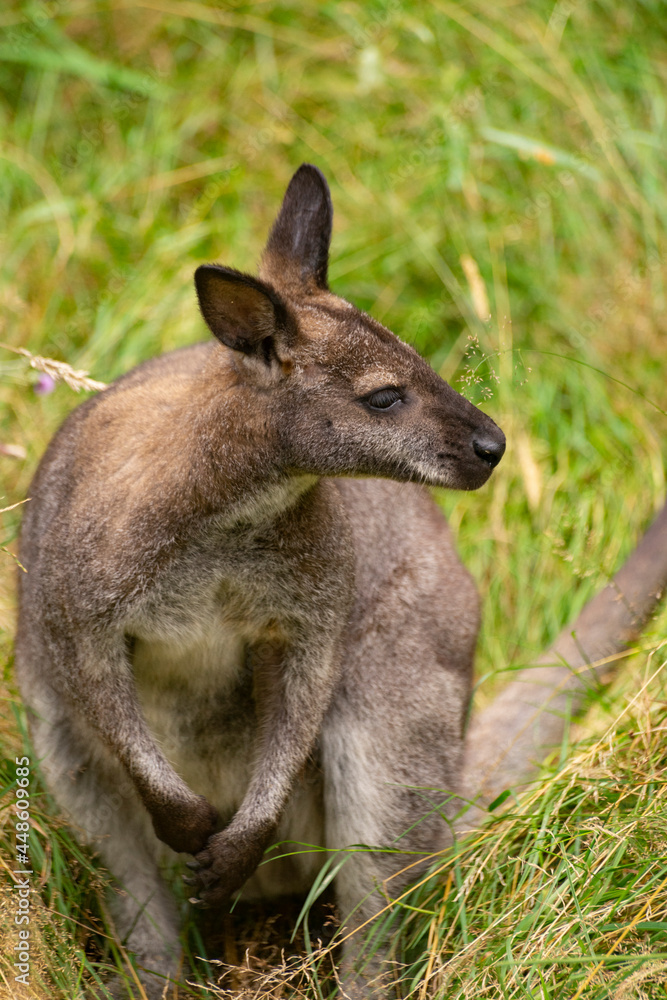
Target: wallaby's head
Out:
[346,397]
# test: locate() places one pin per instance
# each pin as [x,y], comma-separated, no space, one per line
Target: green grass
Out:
[513,153]
[565,895]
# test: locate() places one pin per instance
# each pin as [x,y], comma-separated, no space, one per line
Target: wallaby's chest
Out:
[235,583]
[199,634]
[192,634]
[267,563]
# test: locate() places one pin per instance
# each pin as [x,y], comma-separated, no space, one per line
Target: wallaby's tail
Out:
[510,737]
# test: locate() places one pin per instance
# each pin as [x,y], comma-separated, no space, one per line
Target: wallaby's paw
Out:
[223,866]
[127,988]
[185,828]
[377,983]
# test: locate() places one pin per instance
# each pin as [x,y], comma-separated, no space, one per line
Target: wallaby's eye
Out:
[384,399]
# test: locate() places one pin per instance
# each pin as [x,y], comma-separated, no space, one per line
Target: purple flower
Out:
[44,384]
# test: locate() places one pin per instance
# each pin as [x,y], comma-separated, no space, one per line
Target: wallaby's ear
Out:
[242,312]
[297,250]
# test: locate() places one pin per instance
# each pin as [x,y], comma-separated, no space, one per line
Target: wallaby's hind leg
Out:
[101,802]
[389,779]
[392,740]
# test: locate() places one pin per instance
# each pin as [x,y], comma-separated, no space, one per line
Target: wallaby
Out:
[225,639]
[243,620]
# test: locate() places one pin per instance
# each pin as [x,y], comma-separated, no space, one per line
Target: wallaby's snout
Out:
[472,454]
[455,444]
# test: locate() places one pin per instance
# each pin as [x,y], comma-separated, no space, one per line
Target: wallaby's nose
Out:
[490,447]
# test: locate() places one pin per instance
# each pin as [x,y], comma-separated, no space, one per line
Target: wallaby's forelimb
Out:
[290,696]
[529,716]
[100,685]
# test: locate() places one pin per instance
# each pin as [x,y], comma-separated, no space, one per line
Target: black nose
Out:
[490,448]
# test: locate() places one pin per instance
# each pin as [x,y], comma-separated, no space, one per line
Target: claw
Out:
[190,881]
[199,903]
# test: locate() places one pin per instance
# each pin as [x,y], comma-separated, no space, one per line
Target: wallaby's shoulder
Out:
[118,456]
[181,363]
[148,388]
[138,391]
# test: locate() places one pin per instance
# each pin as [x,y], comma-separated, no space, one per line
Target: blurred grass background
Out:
[499,175]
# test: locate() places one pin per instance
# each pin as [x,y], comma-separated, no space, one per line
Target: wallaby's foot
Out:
[126,987]
[185,828]
[370,985]
[225,865]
